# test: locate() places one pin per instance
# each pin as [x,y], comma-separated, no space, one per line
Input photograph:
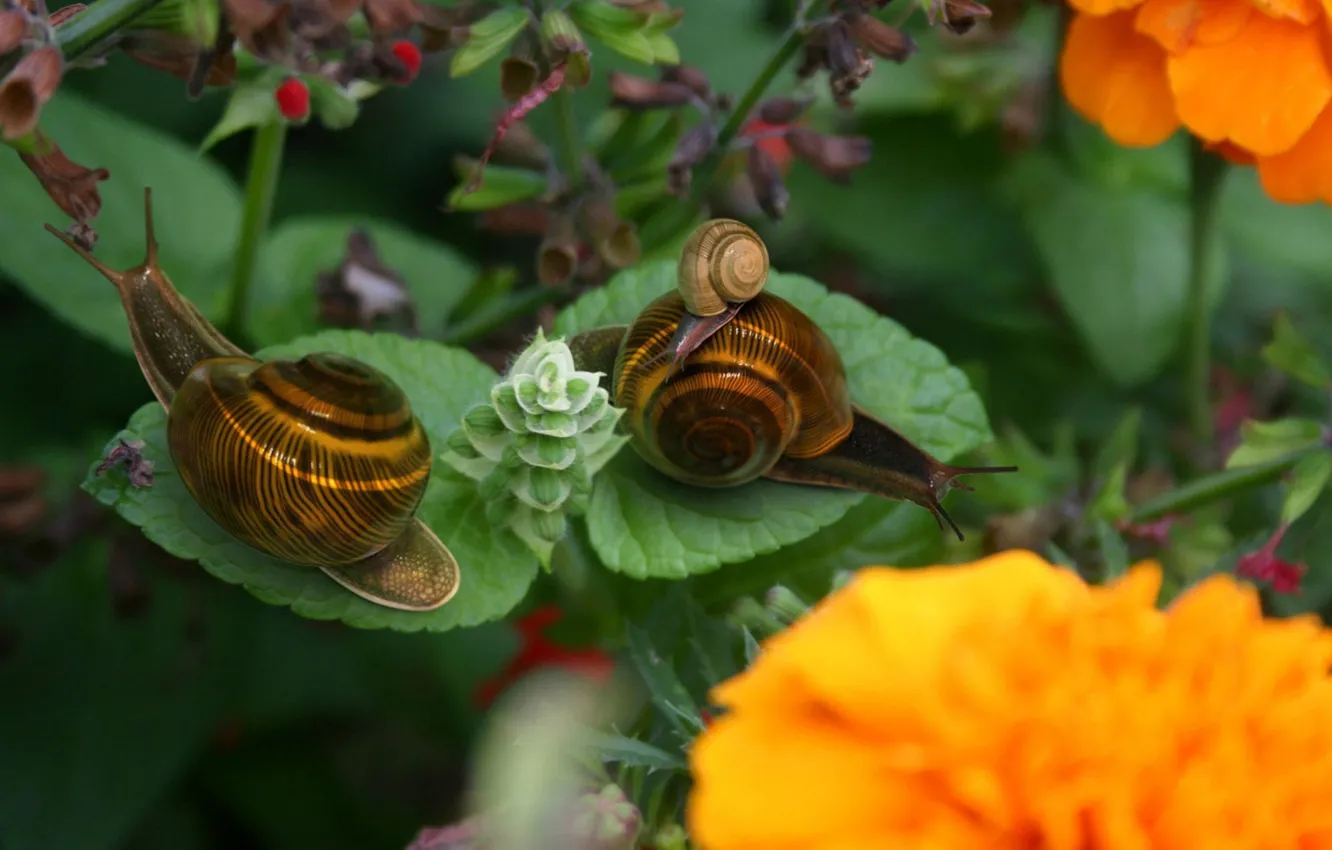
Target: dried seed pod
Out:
[960,16]
[766,178]
[13,29]
[637,93]
[882,40]
[26,90]
[614,239]
[693,147]
[782,110]
[835,157]
[688,76]
[518,76]
[557,257]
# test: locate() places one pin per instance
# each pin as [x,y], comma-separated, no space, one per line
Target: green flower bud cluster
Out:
[535,447]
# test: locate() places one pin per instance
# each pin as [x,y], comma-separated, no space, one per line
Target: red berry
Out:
[293,99]
[410,55]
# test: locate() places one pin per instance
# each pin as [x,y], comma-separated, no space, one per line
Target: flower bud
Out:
[835,157]
[26,90]
[557,256]
[766,178]
[671,837]
[688,76]
[882,40]
[636,93]
[71,186]
[606,820]
[785,605]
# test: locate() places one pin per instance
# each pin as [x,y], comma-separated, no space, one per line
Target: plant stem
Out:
[97,23]
[570,150]
[1218,486]
[260,187]
[1206,171]
[669,222]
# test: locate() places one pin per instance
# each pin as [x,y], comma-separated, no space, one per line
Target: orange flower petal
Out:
[1231,153]
[1300,11]
[1261,90]
[1105,7]
[1302,174]
[1177,25]
[1116,77]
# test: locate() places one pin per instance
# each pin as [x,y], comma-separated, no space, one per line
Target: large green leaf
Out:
[195,204]
[1117,256]
[645,524]
[299,250]
[442,382]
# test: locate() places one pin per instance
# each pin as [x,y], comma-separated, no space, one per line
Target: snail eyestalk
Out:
[169,335]
[877,460]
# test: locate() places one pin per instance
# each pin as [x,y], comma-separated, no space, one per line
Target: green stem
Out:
[1218,486]
[570,150]
[260,188]
[674,218]
[1206,171]
[97,23]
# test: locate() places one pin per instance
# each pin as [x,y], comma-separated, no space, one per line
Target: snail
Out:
[763,396]
[318,462]
[723,264]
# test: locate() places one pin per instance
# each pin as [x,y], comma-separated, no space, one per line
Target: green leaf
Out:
[1307,481]
[1117,256]
[1289,235]
[496,568]
[1261,442]
[668,693]
[643,523]
[1291,353]
[487,37]
[499,186]
[195,204]
[251,104]
[299,250]
[619,29]
[336,108]
[632,752]
[1114,551]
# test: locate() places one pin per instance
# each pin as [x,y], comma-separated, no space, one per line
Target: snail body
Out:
[756,391]
[318,461]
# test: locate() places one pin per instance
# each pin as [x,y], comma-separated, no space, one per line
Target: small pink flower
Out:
[1264,565]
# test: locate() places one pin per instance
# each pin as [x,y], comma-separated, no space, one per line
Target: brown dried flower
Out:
[443,27]
[688,76]
[614,239]
[26,90]
[780,111]
[516,220]
[766,178]
[518,76]
[835,157]
[692,148]
[13,29]
[362,291]
[959,16]
[637,93]
[181,57]
[71,186]
[390,16]
[880,39]
[557,257]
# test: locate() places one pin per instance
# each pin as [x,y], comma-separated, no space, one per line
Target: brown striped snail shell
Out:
[318,461]
[763,394]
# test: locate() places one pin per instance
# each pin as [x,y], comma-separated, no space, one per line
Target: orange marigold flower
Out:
[1007,704]
[1250,78]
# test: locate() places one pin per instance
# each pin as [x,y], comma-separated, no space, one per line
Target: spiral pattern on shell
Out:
[769,383]
[317,461]
[723,261]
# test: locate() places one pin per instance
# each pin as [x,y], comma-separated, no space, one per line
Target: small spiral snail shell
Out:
[319,461]
[723,262]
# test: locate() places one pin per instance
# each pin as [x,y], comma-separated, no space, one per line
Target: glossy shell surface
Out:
[768,383]
[317,461]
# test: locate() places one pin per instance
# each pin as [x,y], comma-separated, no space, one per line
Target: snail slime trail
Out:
[319,461]
[754,390]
